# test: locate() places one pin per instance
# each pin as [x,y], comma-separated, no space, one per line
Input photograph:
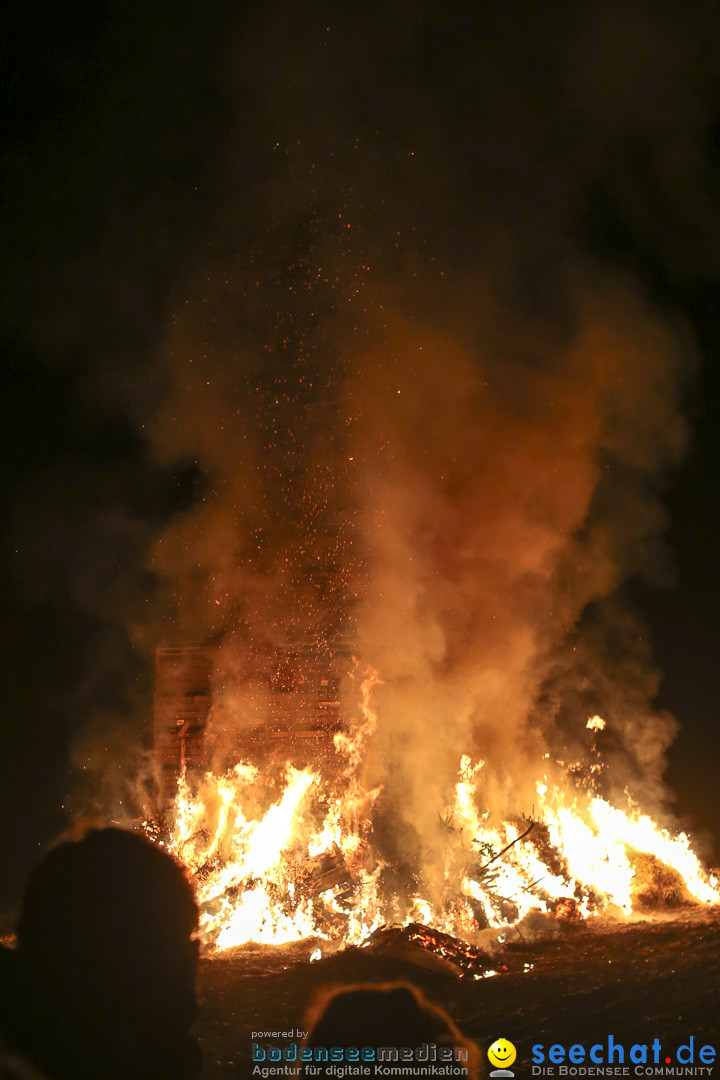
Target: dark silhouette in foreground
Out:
[102,983]
[395,1016]
[13,1067]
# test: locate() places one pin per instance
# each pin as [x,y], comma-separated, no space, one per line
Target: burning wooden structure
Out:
[181,710]
[287,840]
[304,684]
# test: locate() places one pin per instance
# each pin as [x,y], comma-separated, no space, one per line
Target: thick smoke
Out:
[431,398]
[431,421]
[505,487]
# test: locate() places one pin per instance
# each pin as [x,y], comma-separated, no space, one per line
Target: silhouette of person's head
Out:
[17,1068]
[107,961]
[389,1015]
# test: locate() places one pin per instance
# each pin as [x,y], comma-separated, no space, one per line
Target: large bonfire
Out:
[279,858]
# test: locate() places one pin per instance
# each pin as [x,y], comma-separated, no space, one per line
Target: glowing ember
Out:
[595,723]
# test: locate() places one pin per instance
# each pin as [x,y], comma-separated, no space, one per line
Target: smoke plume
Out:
[430,421]
[432,404]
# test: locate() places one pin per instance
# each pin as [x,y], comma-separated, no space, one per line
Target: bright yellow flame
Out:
[304,866]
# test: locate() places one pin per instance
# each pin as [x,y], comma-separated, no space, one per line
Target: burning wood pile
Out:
[278,859]
[305,850]
[427,947]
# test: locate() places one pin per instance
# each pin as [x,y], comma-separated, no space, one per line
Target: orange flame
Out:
[303,866]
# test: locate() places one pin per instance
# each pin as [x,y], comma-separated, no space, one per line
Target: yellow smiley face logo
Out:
[502,1053]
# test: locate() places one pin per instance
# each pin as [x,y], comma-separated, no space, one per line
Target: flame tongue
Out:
[306,866]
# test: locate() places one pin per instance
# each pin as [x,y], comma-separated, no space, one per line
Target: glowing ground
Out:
[637,981]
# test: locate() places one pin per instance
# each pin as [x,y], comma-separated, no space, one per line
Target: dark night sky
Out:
[137,146]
